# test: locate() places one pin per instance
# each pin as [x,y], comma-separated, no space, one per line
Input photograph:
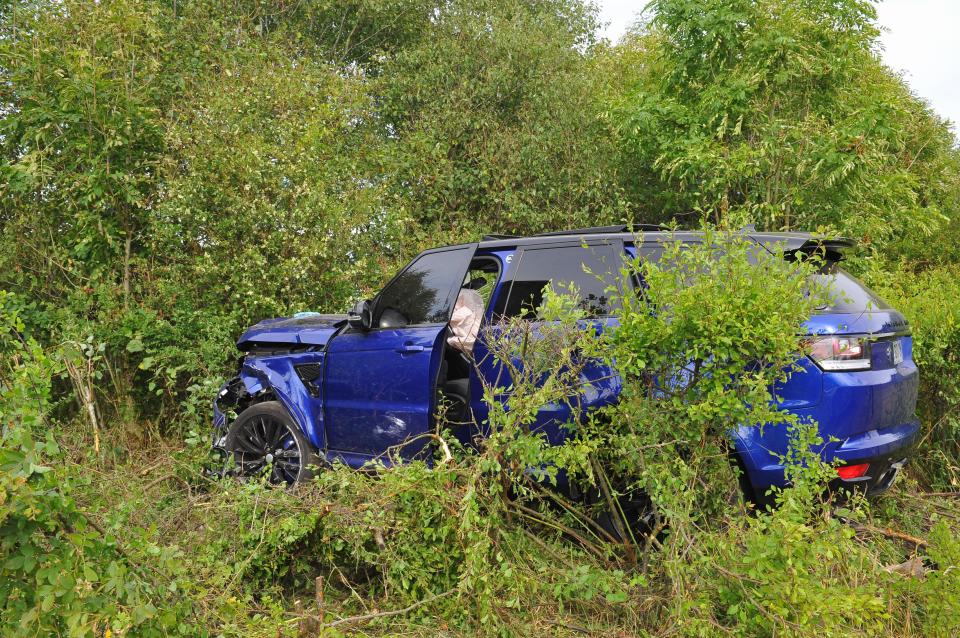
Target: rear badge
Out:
[897,352]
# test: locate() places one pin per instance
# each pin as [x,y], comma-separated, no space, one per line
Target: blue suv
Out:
[313,389]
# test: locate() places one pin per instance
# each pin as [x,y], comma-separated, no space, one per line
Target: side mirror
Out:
[360,316]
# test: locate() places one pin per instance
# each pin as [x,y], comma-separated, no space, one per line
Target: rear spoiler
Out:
[792,246]
[831,250]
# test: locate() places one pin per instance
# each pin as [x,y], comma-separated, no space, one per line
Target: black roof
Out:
[776,242]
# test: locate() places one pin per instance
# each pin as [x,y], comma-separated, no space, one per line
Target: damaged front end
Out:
[232,399]
[282,361]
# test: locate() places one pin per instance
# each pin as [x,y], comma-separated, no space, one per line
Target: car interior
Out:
[454,377]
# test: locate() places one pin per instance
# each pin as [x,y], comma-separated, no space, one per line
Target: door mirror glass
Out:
[361,316]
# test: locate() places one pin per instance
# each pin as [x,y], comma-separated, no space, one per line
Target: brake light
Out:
[840,353]
[852,471]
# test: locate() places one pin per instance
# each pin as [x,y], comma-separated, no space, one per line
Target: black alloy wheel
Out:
[264,440]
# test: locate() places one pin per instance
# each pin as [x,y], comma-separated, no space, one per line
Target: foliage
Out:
[940,593]
[796,570]
[502,139]
[703,345]
[60,573]
[781,114]
[171,172]
[174,172]
[928,300]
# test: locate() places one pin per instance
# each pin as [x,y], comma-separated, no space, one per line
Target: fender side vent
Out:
[310,373]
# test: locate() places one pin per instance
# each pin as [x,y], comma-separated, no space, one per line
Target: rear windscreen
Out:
[847,294]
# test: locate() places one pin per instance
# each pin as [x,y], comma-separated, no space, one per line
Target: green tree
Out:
[781,114]
[494,113]
[80,137]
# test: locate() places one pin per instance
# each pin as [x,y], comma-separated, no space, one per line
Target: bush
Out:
[475,542]
[61,574]
[930,300]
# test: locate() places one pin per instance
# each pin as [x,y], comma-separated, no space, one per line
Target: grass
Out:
[251,559]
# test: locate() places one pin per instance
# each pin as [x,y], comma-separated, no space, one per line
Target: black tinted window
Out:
[422,293]
[588,271]
[847,294]
[652,251]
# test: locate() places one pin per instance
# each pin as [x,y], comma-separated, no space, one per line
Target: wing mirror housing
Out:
[360,316]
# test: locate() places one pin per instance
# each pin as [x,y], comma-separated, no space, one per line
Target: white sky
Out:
[921,39]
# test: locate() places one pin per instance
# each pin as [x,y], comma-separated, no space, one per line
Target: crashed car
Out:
[315,389]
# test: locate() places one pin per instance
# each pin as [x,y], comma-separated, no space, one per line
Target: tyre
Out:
[635,509]
[265,440]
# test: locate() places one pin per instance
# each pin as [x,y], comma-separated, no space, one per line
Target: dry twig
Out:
[890,533]
[387,614]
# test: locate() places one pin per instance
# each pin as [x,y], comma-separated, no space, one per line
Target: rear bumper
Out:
[885,450]
[881,474]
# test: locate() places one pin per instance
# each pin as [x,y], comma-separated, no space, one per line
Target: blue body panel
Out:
[378,388]
[862,415]
[309,329]
[600,386]
[277,375]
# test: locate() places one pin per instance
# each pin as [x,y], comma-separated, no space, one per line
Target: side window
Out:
[482,277]
[589,271]
[423,293]
[650,252]
[653,252]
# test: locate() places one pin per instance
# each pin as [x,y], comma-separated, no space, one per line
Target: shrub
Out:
[61,574]
[714,330]
[930,300]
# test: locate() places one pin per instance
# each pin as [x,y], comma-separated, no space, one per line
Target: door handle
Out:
[409,348]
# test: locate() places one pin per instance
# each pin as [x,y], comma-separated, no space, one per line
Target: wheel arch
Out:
[262,379]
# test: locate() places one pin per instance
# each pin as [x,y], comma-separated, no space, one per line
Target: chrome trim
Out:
[871,335]
[886,335]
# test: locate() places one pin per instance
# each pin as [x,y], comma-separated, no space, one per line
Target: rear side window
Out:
[847,294]
[588,271]
[422,294]
[652,252]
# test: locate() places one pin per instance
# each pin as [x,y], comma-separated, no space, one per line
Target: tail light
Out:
[852,471]
[840,353]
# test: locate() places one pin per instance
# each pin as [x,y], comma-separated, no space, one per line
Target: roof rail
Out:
[496,236]
[596,230]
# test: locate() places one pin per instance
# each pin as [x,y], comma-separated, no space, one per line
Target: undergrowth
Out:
[132,537]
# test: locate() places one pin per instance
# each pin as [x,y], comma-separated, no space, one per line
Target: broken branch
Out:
[387,614]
